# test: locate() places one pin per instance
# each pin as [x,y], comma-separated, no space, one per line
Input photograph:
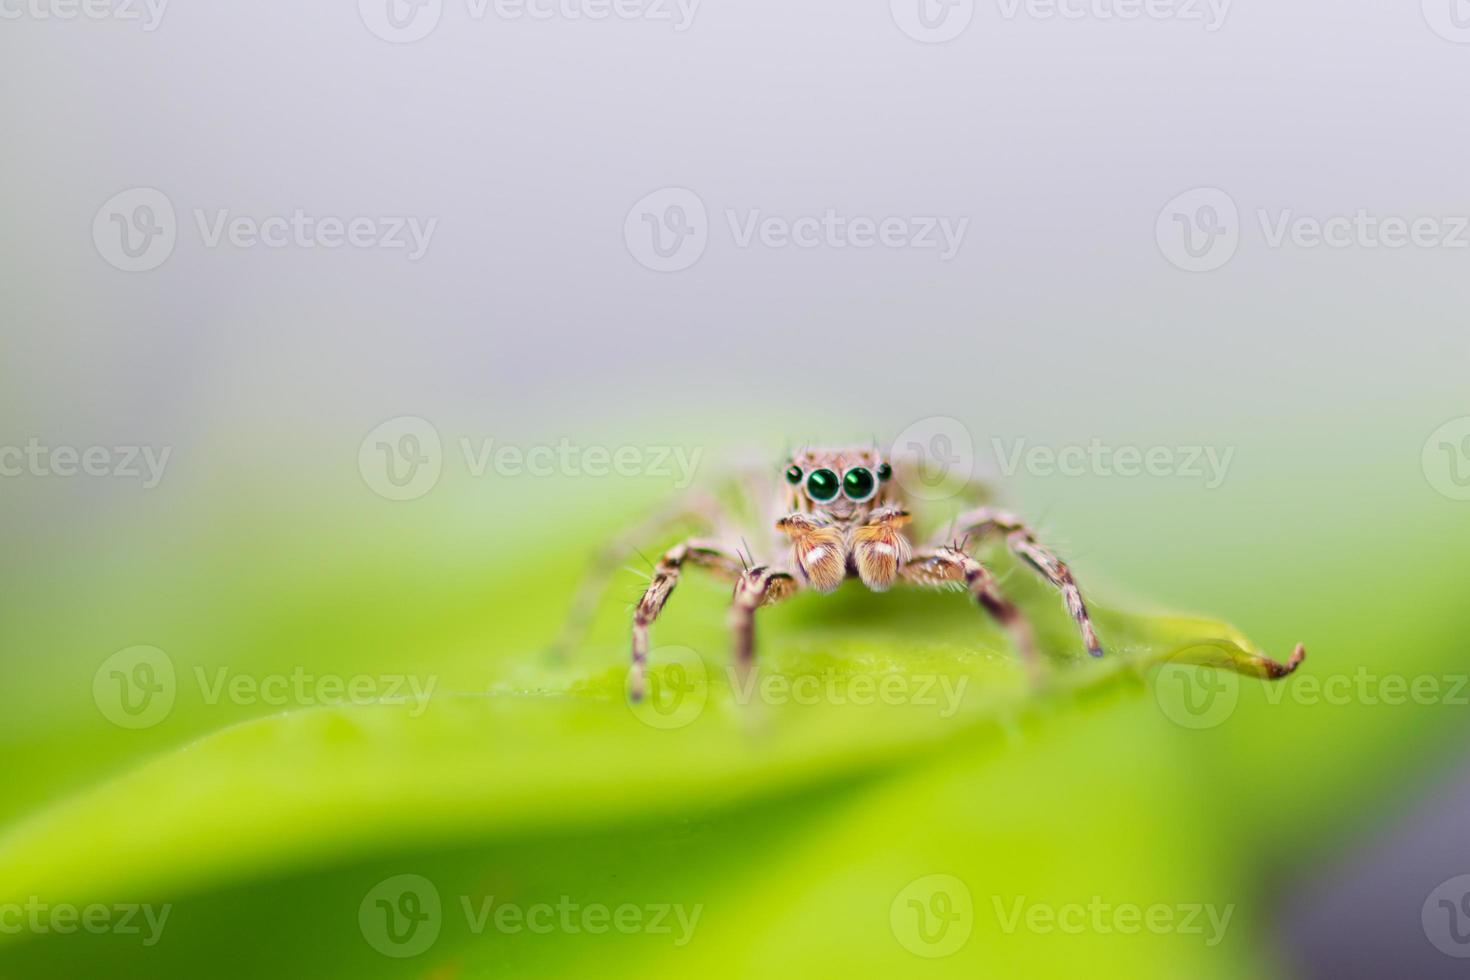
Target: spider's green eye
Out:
[884,471]
[822,485]
[858,483]
[793,475]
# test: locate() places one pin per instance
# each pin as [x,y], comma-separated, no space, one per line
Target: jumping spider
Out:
[840,514]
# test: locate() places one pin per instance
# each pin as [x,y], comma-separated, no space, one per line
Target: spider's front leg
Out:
[941,566]
[697,509]
[1021,540]
[759,586]
[703,553]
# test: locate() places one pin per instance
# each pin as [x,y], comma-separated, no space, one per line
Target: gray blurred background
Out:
[1095,291]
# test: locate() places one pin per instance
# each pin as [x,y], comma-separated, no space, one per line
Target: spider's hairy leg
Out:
[759,586]
[880,547]
[819,549]
[695,551]
[941,566]
[1021,540]
[700,510]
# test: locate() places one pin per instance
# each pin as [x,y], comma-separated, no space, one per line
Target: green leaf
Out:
[556,747]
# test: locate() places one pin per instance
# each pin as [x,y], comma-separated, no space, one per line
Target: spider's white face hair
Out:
[842,484]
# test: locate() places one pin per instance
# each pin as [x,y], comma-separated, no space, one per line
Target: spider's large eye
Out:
[858,484]
[793,475]
[822,485]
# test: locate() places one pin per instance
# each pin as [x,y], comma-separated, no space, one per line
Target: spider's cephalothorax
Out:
[840,514]
[844,519]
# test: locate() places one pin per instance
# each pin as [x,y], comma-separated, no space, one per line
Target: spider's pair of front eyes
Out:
[823,485]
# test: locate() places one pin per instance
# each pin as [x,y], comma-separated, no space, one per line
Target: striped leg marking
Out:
[977,524]
[758,587]
[703,553]
[942,566]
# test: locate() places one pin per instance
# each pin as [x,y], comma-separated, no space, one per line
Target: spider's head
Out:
[839,483]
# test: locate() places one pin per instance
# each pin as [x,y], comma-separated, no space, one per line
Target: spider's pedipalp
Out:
[819,550]
[880,548]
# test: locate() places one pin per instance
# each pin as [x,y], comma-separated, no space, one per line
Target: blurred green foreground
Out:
[890,800]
